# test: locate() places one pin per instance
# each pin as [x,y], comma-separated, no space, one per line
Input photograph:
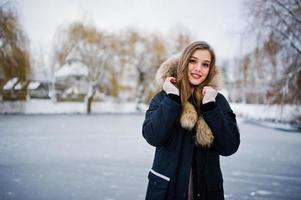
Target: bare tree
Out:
[137,53]
[278,26]
[145,55]
[158,54]
[89,46]
[14,54]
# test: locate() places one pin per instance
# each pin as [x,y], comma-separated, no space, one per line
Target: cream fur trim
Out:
[189,116]
[204,135]
[189,119]
[167,68]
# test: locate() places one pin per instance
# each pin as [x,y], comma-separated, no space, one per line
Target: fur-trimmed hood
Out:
[169,68]
[189,117]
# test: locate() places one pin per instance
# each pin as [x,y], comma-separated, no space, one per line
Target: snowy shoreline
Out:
[273,116]
[41,106]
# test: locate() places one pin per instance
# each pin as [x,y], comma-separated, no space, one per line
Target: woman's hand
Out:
[209,94]
[169,87]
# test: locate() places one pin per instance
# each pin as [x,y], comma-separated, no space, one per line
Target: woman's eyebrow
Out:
[209,61]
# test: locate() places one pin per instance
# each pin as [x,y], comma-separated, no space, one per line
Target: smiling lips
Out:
[196,76]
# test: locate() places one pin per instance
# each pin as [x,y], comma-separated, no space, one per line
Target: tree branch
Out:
[287,37]
[289,11]
[285,23]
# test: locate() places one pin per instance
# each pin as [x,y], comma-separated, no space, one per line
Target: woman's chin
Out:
[195,82]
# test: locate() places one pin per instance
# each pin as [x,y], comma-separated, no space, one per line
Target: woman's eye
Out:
[205,64]
[192,61]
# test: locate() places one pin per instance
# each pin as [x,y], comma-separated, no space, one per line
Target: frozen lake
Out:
[105,157]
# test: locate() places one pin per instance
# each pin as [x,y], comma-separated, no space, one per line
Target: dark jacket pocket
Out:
[157,186]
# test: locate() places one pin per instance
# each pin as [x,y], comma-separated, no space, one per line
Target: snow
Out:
[10,84]
[250,111]
[264,115]
[74,69]
[72,90]
[267,112]
[272,116]
[82,157]
[42,106]
[33,85]
[19,86]
[274,125]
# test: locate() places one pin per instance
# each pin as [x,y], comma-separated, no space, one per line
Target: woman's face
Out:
[198,66]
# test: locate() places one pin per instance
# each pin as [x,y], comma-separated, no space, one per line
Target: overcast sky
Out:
[219,22]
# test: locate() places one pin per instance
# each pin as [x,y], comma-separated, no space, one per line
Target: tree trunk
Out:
[89,101]
[141,90]
[89,97]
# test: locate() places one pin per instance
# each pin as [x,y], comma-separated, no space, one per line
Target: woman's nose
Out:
[198,67]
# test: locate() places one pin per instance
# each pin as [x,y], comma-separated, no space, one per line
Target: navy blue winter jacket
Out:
[169,175]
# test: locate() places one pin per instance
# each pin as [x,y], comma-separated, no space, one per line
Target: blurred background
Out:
[108,51]
[76,78]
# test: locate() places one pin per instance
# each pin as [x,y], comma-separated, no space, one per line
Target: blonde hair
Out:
[186,89]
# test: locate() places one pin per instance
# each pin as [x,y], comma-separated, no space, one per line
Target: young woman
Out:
[190,124]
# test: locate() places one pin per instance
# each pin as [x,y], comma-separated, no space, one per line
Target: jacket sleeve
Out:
[160,119]
[222,122]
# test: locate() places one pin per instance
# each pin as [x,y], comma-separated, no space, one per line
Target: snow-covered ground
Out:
[105,157]
[41,106]
[283,113]
[267,115]
[273,116]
